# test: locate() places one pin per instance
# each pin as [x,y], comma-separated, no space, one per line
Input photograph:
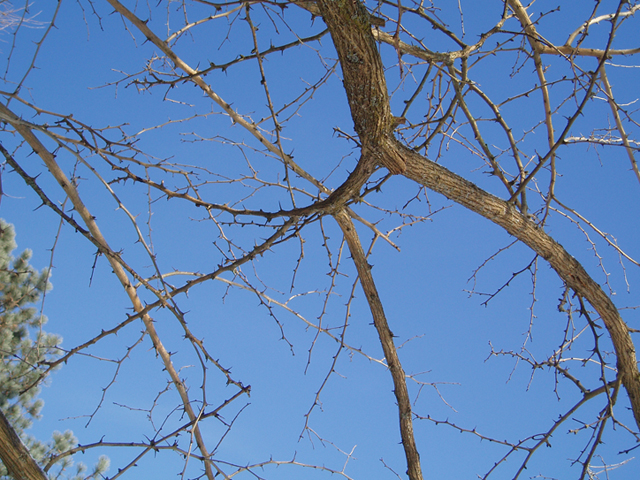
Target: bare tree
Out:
[483,113]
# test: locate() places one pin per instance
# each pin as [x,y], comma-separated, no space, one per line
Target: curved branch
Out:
[500,212]
[364,82]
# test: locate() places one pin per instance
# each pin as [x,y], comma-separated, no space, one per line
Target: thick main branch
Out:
[364,82]
[467,194]
[366,88]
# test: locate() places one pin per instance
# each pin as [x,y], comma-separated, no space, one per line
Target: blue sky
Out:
[445,332]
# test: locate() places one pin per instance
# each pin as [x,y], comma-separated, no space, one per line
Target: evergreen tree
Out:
[22,358]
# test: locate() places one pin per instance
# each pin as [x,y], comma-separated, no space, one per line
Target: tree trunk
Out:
[15,456]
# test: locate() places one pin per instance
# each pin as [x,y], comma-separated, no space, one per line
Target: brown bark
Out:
[350,25]
[366,90]
[15,456]
[467,194]
[365,86]
[414,471]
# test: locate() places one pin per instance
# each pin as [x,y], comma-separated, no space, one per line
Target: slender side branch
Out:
[119,271]
[196,77]
[414,470]
[616,115]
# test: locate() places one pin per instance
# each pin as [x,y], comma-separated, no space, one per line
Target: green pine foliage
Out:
[22,359]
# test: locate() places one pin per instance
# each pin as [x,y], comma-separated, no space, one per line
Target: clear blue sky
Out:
[425,287]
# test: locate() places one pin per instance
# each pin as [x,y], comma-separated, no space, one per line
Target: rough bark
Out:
[365,86]
[363,74]
[467,194]
[15,456]
[414,470]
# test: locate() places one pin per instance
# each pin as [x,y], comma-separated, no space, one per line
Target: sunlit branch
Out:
[583,28]
[605,236]
[178,33]
[572,273]
[414,469]
[92,226]
[196,78]
[616,115]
